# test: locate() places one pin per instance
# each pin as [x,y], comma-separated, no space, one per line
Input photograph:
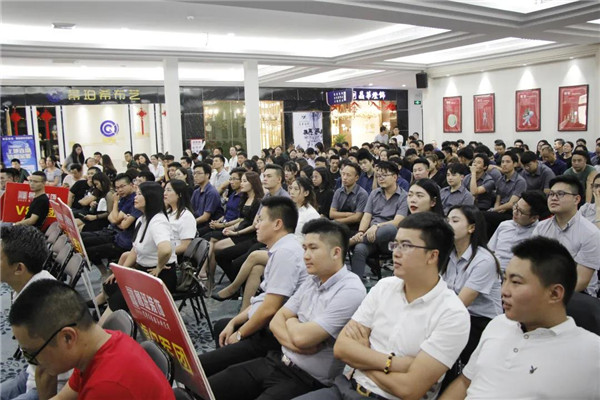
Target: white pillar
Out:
[173,140]
[251,98]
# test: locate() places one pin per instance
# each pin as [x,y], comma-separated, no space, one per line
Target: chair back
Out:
[50,239]
[59,244]
[120,320]
[200,254]
[161,358]
[52,228]
[61,260]
[585,310]
[73,269]
[191,249]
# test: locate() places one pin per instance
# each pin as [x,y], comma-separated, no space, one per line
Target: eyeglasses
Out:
[517,210]
[198,173]
[559,193]
[381,176]
[405,247]
[234,179]
[31,358]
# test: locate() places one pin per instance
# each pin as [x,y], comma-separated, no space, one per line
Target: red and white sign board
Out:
[154,310]
[18,197]
[66,220]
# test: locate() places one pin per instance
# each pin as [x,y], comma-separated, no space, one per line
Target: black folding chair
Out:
[161,358]
[120,320]
[73,270]
[60,261]
[196,291]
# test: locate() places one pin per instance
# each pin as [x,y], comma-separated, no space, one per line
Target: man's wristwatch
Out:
[238,337]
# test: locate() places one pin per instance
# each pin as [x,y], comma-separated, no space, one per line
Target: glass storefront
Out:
[359,121]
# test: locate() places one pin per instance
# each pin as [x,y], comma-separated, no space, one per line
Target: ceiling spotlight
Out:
[447,75]
[370,84]
[524,65]
[403,85]
[190,17]
[63,25]
[570,58]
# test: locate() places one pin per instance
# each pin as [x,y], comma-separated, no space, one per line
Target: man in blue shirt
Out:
[206,201]
[367,178]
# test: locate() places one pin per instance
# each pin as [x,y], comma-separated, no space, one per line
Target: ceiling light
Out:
[190,17]
[524,65]
[447,75]
[403,85]
[570,58]
[370,84]
[63,25]
[336,75]
[519,6]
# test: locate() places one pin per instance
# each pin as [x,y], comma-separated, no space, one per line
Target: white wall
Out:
[504,83]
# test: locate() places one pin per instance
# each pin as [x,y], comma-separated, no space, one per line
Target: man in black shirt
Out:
[79,187]
[38,209]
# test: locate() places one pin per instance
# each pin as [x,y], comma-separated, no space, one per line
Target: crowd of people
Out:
[486,249]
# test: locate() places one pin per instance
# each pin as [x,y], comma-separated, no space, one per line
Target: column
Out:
[251,98]
[174,137]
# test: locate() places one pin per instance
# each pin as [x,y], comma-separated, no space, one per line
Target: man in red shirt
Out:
[56,332]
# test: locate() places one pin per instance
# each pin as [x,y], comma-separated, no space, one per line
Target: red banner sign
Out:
[18,196]
[66,220]
[452,111]
[154,310]
[527,110]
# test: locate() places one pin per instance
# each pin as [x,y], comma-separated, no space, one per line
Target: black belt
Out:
[364,391]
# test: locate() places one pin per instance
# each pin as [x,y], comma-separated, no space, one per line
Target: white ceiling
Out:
[321,43]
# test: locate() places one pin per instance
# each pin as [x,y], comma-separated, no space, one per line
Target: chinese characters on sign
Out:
[343,96]
[369,95]
[103,94]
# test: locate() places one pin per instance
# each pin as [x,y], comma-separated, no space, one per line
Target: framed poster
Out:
[572,108]
[527,110]
[452,114]
[484,112]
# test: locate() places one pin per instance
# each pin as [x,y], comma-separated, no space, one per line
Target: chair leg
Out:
[210,327]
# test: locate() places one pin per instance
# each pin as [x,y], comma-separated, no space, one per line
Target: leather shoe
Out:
[219,298]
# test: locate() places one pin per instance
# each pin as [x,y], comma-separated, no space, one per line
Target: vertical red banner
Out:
[528,114]
[452,114]
[484,112]
[572,108]
[66,220]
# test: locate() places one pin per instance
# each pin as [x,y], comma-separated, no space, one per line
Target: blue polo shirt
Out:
[232,208]
[207,200]
[366,182]
[123,238]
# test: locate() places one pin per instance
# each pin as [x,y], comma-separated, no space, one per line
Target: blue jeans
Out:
[15,388]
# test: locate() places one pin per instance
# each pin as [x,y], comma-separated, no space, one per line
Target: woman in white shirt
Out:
[303,194]
[183,223]
[473,272]
[156,167]
[152,251]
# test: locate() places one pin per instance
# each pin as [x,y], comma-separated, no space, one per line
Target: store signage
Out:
[340,96]
[362,94]
[103,94]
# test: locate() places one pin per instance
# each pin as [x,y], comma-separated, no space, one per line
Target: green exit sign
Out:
[417,102]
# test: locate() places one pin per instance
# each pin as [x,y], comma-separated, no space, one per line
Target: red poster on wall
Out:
[66,220]
[18,196]
[154,310]
[452,112]
[484,108]
[572,108]
[527,110]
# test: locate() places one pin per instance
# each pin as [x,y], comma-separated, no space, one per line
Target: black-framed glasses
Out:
[517,210]
[405,247]
[31,358]
[559,193]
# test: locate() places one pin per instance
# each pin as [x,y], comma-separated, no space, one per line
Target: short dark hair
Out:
[15,160]
[435,232]
[410,152]
[11,172]
[242,153]
[207,168]
[538,203]
[514,158]
[465,152]
[97,153]
[570,180]
[46,305]
[353,165]
[276,168]
[283,208]
[500,142]
[334,233]
[219,156]
[484,158]
[128,152]
[388,166]
[186,159]
[582,153]
[562,141]
[124,177]
[457,168]
[25,244]
[528,157]
[94,169]
[428,147]
[76,166]
[176,165]
[40,174]
[550,261]
[364,154]
[149,176]
[422,160]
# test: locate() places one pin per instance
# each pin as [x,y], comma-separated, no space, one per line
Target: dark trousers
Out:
[254,346]
[232,258]
[101,244]
[265,378]
[493,219]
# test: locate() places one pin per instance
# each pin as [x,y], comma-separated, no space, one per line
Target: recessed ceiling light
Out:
[524,65]
[403,85]
[190,17]
[447,75]
[370,84]
[63,25]
[570,58]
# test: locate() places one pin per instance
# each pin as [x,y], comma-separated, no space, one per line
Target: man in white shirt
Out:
[219,177]
[23,252]
[533,351]
[531,207]
[411,328]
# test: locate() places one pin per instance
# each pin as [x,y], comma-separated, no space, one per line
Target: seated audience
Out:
[410,329]
[321,180]
[550,159]
[303,195]
[536,174]
[591,211]
[480,183]
[455,194]
[423,196]
[306,326]
[40,205]
[349,201]
[367,178]
[181,218]
[584,172]
[533,351]
[206,201]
